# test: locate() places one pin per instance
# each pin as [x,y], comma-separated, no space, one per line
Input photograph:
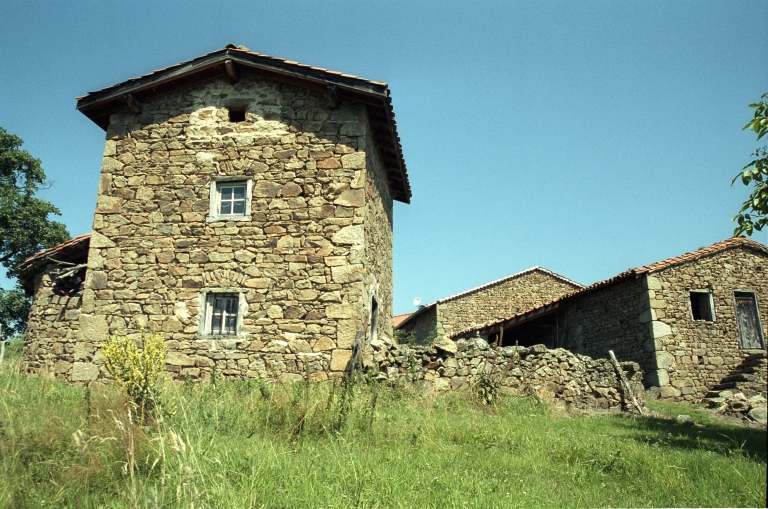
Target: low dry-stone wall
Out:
[551,374]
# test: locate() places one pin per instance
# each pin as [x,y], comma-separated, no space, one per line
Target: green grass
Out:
[240,444]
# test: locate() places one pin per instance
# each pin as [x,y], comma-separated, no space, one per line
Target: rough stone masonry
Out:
[250,223]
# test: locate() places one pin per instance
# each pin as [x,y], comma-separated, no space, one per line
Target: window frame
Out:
[214,201]
[710,301]
[205,313]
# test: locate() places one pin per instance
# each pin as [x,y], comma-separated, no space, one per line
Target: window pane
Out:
[226,193]
[216,324]
[231,325]
[239,192]
[224,310]
[226,207]
[238,207]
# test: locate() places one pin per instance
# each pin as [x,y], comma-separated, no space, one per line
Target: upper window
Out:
[701,306]
[230,200]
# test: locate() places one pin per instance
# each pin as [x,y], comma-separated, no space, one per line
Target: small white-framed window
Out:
[221,313]
[702,309]
[230,199]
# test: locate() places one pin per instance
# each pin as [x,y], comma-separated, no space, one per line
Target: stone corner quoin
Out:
[303,268]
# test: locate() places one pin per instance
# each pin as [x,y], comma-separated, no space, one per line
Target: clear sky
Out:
[586,137]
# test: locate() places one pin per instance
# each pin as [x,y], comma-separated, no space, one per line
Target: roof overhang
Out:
[62,254]
[233,61]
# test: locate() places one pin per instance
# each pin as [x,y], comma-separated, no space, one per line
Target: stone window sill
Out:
[235,338]
[221,219]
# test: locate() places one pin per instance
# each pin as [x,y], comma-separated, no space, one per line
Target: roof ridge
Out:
[242,49]
[692,255]
[507,278]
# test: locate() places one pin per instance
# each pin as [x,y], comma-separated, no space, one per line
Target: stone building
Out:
[244,210]
[489,302]
[692,322]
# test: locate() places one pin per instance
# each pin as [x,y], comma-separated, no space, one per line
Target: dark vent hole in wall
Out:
[701,306]
[236,115]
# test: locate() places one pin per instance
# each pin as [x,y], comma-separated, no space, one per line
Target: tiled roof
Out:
[494,283]
[630,274]
[100,104]
[398,319]
[52,250]
[714,248]
[29,267]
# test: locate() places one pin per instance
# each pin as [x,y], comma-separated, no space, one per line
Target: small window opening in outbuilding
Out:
[701,306]
[236,114]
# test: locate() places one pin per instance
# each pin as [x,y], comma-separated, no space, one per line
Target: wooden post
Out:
[625,382]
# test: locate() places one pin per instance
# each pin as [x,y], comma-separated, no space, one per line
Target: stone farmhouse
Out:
[244,210]
[693,322]
[489,302]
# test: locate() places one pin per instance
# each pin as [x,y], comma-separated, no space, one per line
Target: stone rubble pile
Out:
[551,374]
[738,405]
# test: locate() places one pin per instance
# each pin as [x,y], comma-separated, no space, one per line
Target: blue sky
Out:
[585,137]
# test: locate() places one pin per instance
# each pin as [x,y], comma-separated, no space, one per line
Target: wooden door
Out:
[748,322]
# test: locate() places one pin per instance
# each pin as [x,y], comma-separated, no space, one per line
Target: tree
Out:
[753,215]
[25,227]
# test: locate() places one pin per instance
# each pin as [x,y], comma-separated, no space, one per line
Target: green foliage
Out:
[237,445]
[487,388]
[404,337]
[14,310]
[137,371]
[753,215]
[25,227]
[24,224]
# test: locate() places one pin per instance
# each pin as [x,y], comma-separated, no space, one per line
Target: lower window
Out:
[221,311]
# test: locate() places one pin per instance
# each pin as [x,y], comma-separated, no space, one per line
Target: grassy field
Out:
[239,444]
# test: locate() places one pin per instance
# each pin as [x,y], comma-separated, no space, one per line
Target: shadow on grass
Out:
[724,439]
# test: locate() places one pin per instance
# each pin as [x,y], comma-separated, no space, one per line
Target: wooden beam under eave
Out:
[232,73]
[332,93]
[133,104]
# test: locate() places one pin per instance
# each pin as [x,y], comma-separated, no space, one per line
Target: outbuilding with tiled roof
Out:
[487,302]
[691,321]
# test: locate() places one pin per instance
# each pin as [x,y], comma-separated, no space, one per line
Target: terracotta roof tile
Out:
[398,319]
[48,252]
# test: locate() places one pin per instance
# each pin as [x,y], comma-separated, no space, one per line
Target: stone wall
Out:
[614,318]
[51,338]
[422,325]
[695,355]
[378,242]
[552,374]
[299,265]
[489,303]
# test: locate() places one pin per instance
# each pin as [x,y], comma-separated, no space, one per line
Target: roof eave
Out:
[98,106]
